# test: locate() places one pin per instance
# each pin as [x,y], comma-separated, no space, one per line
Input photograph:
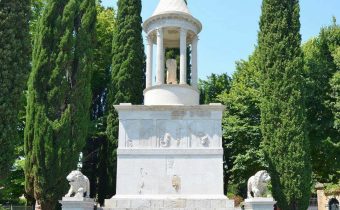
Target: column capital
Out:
[160,31]
[183,30]
[195,38]
[149,39]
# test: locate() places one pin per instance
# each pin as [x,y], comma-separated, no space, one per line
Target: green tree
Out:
[95,161]
[59,97]
[128,67]
[335,84]
[37,7]
[14,184]
[213,86]
[320,66]
[241,127]
[15,51]
[283,111]
[12,188]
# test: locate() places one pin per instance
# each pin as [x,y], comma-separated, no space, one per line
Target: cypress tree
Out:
[283,112]
[128,62]
[95,161]
[59,97]
[14,67]
[128,67]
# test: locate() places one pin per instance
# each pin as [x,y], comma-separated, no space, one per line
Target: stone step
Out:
[103,208]
[165,204]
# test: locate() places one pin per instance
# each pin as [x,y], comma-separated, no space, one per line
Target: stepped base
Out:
[173,203]
[259,204]
[74,203]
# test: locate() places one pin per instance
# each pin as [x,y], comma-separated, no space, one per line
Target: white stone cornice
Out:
[155,151]
[213,107]
[173,20]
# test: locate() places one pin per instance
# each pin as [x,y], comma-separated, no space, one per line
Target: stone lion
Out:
[80,185]
[257,184]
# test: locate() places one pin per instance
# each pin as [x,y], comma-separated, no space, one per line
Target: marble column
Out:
[149,56]
[194,71]
[160,57]
[183,56]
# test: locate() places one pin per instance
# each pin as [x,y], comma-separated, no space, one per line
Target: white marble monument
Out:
[170,152]
[78,196]
[258,193]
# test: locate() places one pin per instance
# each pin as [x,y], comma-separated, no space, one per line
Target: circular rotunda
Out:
[172,26]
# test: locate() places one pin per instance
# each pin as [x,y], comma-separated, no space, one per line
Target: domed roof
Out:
[171,6]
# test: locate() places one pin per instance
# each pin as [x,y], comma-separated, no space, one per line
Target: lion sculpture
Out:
[257,184]
[80,185]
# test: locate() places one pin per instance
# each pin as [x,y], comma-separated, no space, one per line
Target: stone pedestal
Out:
[77,203]
[170,157]
[259,204]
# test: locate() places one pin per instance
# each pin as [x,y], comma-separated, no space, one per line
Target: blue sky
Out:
[230,28]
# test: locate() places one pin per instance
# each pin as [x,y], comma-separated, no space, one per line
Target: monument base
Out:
[259,204]
[73,203]
[167,203]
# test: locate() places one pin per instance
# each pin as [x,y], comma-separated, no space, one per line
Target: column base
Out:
[259,204]
[77,203]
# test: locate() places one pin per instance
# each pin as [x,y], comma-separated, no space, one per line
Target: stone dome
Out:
[171,6]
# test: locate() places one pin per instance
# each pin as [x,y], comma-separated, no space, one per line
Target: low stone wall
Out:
[324,198]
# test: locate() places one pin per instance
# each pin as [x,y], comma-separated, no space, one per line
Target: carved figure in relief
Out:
[257,184]
[129,143]
[142,184]
[170,163]
[176,183]
[165,141]
[178,137]
[204,139]
[80,185]
[171,66]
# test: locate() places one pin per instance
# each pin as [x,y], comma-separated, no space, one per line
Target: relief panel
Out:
[172,134]
[204,133]
[138,133]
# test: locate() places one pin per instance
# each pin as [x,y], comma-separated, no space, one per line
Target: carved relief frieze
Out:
[138,133]
[172,134]
[166,140]
[204,139]
[203,133]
